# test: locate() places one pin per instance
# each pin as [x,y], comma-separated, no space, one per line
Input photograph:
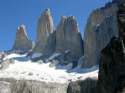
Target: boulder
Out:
[22,42]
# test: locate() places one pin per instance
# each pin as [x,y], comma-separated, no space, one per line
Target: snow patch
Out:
[13,55]
[44,72]
[35,55]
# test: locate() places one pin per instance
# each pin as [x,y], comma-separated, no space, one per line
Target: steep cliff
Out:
[44,29]
[68,38]
[100,28]
[30,86]
[22,42]
[112,68]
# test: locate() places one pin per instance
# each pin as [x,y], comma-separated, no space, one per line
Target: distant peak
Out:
[22,26]
[47,11]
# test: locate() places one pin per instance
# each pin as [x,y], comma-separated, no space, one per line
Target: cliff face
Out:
[68,38]
[22,42]
[44,29]
[85,86]
[25,86]
[101,27]
[112,65]
[112,68]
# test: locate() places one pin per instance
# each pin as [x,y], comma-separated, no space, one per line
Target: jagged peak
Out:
[47,12]
[71,20]
[21,30]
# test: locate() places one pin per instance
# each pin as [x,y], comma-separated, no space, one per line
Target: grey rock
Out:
[101,27]
[44,29]
[30,86]
[83,86]
[68,38]
[22,42]
[5,87]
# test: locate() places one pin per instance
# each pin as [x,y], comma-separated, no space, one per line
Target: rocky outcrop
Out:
[112,68]
[5,87]
[68,38]
[119,1]
[22,42]
[44,30]
[100,28]
[85,86]
[30,86]
[10,85]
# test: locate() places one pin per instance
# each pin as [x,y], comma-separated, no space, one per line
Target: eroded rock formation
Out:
[22,42]
[44,30]
[68,38]
[101,27]
[112,65]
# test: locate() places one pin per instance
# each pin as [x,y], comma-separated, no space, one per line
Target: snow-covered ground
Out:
[45,72]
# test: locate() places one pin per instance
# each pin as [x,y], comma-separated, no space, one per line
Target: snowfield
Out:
[45,72]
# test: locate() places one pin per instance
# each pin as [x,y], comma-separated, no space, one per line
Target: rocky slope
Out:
[22,42]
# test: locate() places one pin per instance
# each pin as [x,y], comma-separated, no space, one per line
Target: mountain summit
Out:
[22,42]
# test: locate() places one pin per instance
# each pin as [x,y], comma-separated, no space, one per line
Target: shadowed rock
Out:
[112,68]
[82,86]
[22,42]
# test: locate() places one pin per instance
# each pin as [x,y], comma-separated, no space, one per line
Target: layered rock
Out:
[22,42]
[44,30]
[100,28]
[68,38]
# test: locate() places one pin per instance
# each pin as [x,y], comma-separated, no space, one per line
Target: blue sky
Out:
[16,12]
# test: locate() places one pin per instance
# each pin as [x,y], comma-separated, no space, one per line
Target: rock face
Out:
[44,30]
[119,1]
[112,68]
[29,86]
[68,38]
[22,42]
[101,27]
[5,87]
[85,86]
[9,85]
[112,65]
